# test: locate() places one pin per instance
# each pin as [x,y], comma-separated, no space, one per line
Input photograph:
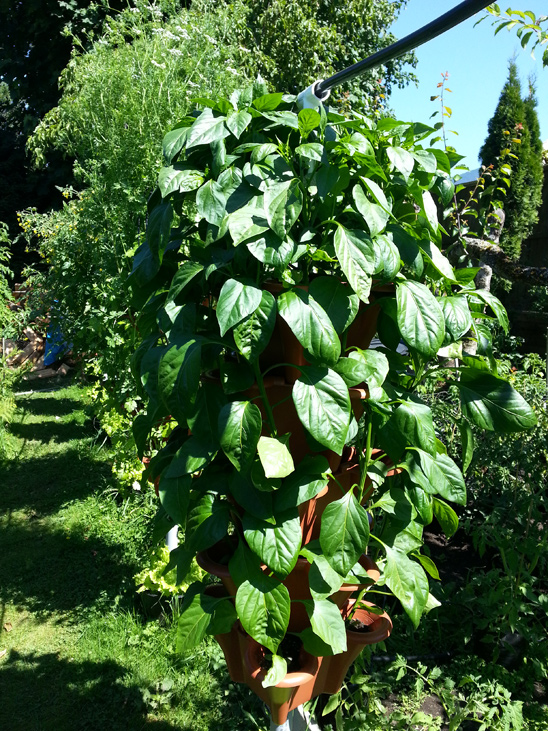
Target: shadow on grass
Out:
[50,431]
[46,693]
[53,571]
[42,484]
[43,406]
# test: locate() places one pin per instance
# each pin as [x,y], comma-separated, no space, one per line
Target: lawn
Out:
[76,653]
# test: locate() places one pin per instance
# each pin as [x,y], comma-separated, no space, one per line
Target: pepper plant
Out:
[266,217]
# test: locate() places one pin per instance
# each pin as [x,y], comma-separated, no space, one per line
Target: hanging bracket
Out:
[318,92]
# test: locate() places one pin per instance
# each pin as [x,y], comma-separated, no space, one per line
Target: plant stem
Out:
[266,403]
[365,462]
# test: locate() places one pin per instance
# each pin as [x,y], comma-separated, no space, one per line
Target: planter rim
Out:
[307,672]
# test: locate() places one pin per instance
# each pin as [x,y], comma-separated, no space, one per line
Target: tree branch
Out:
[494,256]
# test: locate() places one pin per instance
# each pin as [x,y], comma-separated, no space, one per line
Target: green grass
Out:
[79,655]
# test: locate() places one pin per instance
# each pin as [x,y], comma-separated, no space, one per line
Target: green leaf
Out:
[207,521]
[428,565]
[283,203]
[311,150]
[408,582]
[238,122]
[268,102]
[402,160]
[344,533]
[192,625]
[174,141]
[430,210]
[224,616]
[309,119]
[183,276]
[276,545]
[159,229]
[308,479]
[179,178]
[211,202]
[443,476]
[247,222]
[276,673]
[375,216]
[492,403]
[446,517]
[420,318]
[310,325]
[271,250]
[236,301]
[388,257]
[495,304]
[240,425]
[264,614]
[174,497]
[179,373]
[203,418]
[253,333]
[207,128]
[410,425]
[458,319]
[356,254]
[275,457]
[467,442]
[328,624]
[372,365]
[437,259]
[427,160]
[421,500]
[323,406]
[262,151]
[191,457]
[337,299]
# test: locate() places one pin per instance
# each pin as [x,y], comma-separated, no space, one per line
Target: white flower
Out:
[210,39]
[159,65]
[175,52]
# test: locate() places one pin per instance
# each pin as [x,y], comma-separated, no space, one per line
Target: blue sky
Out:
[477,62]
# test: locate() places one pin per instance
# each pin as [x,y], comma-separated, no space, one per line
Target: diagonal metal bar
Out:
[445,22]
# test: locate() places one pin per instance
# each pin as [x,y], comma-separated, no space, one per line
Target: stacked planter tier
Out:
[244,656]
[315,675]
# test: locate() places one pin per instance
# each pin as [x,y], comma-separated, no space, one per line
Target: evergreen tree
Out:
[515,126]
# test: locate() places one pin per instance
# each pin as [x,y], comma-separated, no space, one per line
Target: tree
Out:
[515,126]
[301,41]
[529,29]
[36,40]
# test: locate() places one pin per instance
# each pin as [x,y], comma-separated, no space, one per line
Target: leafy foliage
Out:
[297,219]
[529,28]
[516,121]
[113,104]
[301,42]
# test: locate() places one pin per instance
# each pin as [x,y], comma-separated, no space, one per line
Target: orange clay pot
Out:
[315,675]
[294,690]
[296,583]
[285,348]
[279,395]
[378,627]
[347,475]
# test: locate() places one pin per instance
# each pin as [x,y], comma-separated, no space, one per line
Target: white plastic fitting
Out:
[308,99]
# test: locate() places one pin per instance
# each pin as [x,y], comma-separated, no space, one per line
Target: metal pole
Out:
[462,12]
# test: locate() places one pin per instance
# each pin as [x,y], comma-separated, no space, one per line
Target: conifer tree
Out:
[515,126]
